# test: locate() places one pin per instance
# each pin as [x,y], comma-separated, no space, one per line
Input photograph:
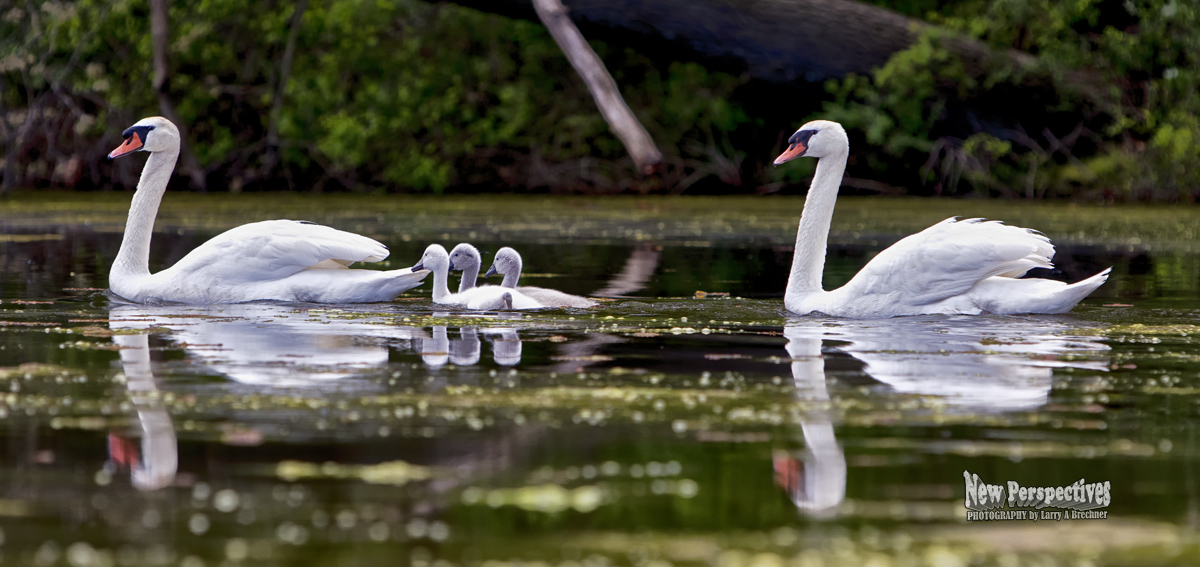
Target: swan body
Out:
[437,260]
[956,266]
[271,260]
[508,263]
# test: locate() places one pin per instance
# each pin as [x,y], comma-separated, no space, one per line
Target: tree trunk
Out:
[160,42]
[285,72]
[10,146]
[601,84]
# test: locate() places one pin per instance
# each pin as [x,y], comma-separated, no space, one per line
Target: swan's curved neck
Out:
[441,287]
[808,262]
[469,275]
[513,275]
[134,257]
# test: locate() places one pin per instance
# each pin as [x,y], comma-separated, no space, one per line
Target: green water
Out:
[689,421]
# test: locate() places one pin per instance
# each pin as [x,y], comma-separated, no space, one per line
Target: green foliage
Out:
[1135,65]
[408,95]
[898,105]
[384,94]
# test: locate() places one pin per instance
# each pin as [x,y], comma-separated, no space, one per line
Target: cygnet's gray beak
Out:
[491,271]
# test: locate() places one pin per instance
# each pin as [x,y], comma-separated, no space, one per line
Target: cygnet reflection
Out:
[506,346]
[439,349]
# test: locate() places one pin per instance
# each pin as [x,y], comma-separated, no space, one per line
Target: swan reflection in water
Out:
[153,465]
[270,344]
[976,364]
[265,345]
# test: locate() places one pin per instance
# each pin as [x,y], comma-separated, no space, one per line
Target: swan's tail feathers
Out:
[1010,296]
[403,280]
[352,286]
[1083,288]
[1066,297]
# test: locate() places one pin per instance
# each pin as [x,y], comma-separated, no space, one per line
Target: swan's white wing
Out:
[276,249]
[949,258]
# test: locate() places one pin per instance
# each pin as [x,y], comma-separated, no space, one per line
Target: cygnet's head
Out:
[435,258]
[153,134]
[464,256]
[507,261]
[819,138]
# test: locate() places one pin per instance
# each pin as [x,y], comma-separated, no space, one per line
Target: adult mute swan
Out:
[489,297]
[508,264]
[270,260]
[953,267]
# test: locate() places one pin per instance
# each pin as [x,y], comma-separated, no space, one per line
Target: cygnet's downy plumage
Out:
[437,261]
[508,264]
[466,259]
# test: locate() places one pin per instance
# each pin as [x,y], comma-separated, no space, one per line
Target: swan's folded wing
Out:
[279,248]
[949,258]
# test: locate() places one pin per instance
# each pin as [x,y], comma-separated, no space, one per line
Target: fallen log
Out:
[781,41]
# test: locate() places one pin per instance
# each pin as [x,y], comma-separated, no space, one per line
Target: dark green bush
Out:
[406,95]
[1137,138]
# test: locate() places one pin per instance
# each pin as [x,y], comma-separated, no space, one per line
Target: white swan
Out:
[489,297]
[270,260]
[508,263]
[953,267]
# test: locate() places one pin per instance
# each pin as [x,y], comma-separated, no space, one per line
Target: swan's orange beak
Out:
[794,151]
[789,472]
[132,144]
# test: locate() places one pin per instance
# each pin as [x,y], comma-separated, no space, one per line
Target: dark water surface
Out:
[687,421]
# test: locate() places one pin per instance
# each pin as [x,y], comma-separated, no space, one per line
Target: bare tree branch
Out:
[10,144]
[602,86]
[285,73]
[160,40]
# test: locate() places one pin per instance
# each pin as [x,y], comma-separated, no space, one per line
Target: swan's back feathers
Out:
[950,257]
[492,297]
[554,298]
[279,248]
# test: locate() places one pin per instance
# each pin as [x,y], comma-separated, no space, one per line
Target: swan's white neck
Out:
[808,262]
[441,289]
[469,275]
[133,260]
[513,275]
